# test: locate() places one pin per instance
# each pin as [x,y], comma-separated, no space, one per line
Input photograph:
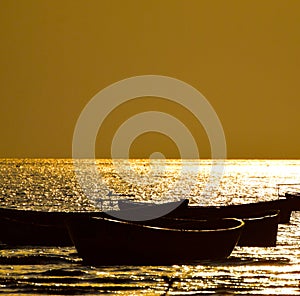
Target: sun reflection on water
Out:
[51,185]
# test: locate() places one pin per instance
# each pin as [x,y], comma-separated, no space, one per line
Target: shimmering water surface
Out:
[51,184]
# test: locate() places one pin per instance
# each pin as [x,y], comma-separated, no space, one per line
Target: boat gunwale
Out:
[240,225]
[268,214]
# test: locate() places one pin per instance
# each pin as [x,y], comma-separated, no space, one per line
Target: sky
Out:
[243,56]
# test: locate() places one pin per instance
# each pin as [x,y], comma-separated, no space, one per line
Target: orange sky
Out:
[243,56]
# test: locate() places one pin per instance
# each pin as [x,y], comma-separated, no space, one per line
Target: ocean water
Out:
[51,184]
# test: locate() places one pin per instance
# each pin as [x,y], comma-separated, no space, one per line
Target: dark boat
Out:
[291,192]
[41,228]
[36,228]
[260,230]
[143,211]
[103,241]
[126,204]
[294,199]
[29,227]
[260,227]
[285,206]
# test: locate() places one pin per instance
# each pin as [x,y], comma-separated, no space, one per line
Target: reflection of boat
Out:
[102,241]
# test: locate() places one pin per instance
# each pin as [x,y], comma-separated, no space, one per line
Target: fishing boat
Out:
[284,206]
[20,227]
[103,241]
[294,199]
[130,210]
[260,230]
[290,191]
[143,211]
[37,228]
[260,227]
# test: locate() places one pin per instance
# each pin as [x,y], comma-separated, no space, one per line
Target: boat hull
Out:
[260,227]
[294,199]
[41,228]
[285,207]
[111,242]
[260,230]
[29,227]
[36,228]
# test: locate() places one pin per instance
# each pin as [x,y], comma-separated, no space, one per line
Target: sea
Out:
[57,185]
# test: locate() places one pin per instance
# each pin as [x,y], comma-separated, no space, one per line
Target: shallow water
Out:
[51,184]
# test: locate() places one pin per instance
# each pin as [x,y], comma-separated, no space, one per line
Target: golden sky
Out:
[243,56]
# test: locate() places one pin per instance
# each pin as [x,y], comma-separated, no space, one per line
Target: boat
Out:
[42,228]
[294,199]
[20,227]
[260,227]
[260,230]
[290,191]
[142,211]
[36,228]
[104,241]
[284,206]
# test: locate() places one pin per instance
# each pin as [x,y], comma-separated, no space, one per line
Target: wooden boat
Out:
[42,228]
[260,230]
[141,211]
[260,227]
[291,192]
[103,241]
[285,206]
[36,228]
[28,227]
[294,199]
[126,204]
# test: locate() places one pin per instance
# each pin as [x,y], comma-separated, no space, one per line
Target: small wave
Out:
[62,272]
[34,260]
